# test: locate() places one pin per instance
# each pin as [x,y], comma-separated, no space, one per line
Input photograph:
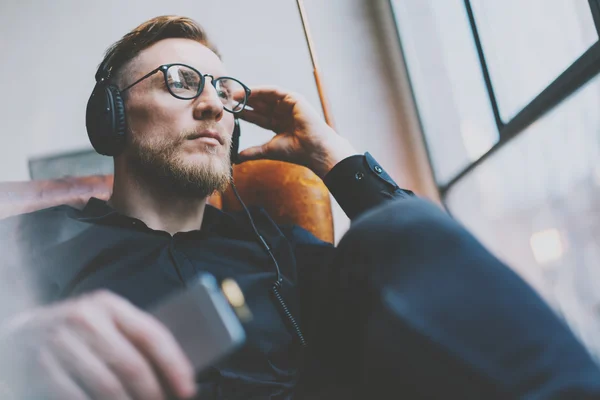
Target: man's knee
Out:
[415,221]
[403,237]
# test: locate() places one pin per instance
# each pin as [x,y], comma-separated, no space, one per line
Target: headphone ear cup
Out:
[119,107]
[105,120]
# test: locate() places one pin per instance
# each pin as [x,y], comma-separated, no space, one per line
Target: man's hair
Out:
[121,53]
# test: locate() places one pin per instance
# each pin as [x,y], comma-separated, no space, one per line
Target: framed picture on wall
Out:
[77,163]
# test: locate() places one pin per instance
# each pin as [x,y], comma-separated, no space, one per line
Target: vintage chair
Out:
[289,193]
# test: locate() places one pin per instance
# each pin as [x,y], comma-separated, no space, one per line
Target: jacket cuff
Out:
[359,183]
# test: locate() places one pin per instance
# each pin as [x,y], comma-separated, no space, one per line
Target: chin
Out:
[199,175]
[207,162]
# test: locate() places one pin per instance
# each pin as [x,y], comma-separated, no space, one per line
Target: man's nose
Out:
[208,105]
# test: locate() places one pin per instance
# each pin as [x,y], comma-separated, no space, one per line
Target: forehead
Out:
[185,51]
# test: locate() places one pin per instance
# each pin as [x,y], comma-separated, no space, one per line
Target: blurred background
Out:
[488,107]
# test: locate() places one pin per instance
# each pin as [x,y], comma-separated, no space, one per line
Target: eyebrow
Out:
[159,77]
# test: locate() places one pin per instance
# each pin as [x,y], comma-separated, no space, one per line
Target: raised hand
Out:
[302,136]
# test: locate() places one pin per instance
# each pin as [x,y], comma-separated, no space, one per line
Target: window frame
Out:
[580,72]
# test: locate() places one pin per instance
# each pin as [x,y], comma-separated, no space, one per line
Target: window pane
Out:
[536,204]
[447,82]
[528,44]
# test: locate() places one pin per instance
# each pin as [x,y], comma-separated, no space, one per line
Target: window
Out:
[447,83]
[508,96]
[528,44]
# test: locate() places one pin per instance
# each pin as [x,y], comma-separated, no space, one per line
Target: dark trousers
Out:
[415,307]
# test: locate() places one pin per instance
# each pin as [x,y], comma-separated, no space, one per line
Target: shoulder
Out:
[40,216]
[38,225]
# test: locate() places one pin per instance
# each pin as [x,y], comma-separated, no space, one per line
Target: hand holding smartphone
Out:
[202,321]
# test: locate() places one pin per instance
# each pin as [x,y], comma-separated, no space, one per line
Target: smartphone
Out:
[202,321]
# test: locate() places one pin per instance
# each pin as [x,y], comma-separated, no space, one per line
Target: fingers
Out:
[252,153]
[238,95]
[157,345]
[271,99]
[280,148]
[99,347]
[91,320]
[278,110]
[261,107]
[263,99]
[267,94]
[133,370]
[85,367]
[257,118]
[259,112]
[56,384]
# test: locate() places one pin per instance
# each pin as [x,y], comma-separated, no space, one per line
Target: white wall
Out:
[51,48]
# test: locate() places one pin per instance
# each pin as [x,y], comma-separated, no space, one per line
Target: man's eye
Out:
[223,94]
[177,85]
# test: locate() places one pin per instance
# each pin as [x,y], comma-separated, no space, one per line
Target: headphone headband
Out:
[104,70]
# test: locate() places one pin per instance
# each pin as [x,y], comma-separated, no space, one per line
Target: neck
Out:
[156,206]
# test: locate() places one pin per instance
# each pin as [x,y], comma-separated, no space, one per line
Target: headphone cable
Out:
[279,282]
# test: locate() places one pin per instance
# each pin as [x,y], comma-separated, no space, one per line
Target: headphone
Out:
[106,123]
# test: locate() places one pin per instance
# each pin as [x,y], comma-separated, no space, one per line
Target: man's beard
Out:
[160,160]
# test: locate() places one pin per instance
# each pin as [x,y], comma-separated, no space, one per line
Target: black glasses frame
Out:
[165,67]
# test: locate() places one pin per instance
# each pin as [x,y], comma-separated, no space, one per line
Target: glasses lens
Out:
[183,81]
[231,93]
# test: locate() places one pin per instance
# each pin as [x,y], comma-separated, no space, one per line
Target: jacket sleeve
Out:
[359,183]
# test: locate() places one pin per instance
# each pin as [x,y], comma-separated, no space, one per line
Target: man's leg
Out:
[414,306]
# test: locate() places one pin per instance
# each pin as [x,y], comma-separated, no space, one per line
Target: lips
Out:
[207,134]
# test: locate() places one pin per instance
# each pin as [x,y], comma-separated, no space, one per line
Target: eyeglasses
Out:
[187,83]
